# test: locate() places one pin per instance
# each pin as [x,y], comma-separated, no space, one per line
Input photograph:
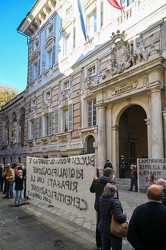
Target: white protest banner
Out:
[63,182]
[146,167]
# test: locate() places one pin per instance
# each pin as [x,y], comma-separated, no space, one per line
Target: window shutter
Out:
[38,65]
[31,72]
[70,115]
[43,62]
[56,121]
[40,126]
[27,130]
[53,55]
[34,131]
[49,123]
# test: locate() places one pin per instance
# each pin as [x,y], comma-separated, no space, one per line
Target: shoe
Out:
[6,197]
[130,190]
[11,197]
[3,193]
[98,245]
[20,205]
[16,205]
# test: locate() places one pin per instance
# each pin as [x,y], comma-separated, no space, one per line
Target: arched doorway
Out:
[90,148]
[133,135]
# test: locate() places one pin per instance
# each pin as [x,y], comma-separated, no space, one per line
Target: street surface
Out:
[39,226]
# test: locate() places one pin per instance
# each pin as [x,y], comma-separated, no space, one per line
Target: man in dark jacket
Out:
[108,164]
[148,223]
[97,187]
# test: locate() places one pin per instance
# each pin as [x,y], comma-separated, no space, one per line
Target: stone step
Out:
[123,184]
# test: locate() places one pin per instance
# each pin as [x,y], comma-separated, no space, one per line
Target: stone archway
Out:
[133,139]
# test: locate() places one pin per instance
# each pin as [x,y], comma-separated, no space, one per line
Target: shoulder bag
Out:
[117,229]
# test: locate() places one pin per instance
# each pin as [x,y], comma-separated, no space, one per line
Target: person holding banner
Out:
[97,187]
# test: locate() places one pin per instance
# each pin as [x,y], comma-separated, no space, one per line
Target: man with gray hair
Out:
[148,223]
[97,187]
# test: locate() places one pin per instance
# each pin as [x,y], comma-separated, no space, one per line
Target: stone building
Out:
[99,91]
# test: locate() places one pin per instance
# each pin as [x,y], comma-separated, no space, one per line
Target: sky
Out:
[13,46]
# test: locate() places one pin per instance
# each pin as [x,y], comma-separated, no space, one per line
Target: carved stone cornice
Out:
[36,16]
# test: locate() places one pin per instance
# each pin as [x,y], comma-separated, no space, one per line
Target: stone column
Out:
[149,137]
[164,115]
[115,149]
[101,138]
[157,150]
[109,133]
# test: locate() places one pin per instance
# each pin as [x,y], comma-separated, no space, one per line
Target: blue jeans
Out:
[18,198]
[109,240]
[10,188]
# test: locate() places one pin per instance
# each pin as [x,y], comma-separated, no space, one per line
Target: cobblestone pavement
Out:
[79,228]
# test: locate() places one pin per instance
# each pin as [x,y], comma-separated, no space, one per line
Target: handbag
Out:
[118,229]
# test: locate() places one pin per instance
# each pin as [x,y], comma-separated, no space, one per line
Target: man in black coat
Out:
[108,164]
[148,223]
[97,187]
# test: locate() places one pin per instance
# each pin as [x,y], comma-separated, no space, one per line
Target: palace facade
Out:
[95,90]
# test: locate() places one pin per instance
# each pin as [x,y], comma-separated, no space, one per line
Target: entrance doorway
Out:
[133,135]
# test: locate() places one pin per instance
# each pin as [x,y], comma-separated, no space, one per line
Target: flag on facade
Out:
[82,19]
[115,4]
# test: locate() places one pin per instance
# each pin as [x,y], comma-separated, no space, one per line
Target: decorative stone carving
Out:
[154,51]
[120,54]
[140,54]
[164,53]
[89,82]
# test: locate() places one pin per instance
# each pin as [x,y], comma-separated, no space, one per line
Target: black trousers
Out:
[98,234]
[122,173]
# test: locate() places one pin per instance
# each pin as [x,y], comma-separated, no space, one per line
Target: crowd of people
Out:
[147,222]
[13,182]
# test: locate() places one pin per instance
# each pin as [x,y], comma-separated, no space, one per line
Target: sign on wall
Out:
[63,182]
[146,167]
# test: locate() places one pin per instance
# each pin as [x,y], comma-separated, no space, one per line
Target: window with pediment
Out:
[48,54]
[68,35]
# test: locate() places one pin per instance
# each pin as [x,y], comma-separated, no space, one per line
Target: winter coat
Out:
[97,187]
[109,205]
[18,183]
